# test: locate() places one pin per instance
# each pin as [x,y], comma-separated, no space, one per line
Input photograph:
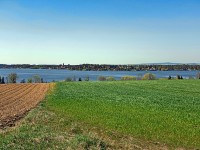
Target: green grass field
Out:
[160,111]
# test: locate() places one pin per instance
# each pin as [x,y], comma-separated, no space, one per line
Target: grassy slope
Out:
[163,111]
[159,111]
[45,129]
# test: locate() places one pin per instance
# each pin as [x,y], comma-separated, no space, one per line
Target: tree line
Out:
[107,67]
[12,78]
[147,76]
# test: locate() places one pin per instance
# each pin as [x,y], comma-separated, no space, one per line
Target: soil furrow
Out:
[17,99]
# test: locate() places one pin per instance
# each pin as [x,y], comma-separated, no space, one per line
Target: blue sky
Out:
[99,31]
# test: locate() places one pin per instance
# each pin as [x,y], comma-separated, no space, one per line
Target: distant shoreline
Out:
[99,67]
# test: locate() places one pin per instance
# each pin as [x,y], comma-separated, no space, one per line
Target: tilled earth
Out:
[17,99]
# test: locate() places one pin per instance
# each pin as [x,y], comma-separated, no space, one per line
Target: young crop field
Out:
[166,112]
[17,99]
[159,114]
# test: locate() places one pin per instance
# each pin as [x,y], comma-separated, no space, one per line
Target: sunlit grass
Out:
[160,111]
[115,115]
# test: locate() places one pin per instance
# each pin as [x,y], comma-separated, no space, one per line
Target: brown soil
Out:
[17,99]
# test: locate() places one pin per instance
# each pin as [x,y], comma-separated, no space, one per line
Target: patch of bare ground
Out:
[18,99]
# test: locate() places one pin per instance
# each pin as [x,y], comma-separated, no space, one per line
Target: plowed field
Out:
[17,99]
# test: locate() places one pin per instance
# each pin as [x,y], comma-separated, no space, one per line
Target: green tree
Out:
[2,80]
[29,80]
[12,78]
[178,77]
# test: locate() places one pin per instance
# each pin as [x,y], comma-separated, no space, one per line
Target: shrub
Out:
[12,78]
[2,80]
[102,78]
[36,79]
[23,81]
[198,75]
[128,78]
[30,80]
[179,77]
[110,79]
[68,79]
[87,78]
[149,76]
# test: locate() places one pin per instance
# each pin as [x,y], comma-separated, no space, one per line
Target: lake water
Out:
[58,75]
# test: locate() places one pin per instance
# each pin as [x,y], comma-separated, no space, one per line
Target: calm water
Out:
[57,75]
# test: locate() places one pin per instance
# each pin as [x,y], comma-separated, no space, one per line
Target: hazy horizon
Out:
[164,63]
[99,32]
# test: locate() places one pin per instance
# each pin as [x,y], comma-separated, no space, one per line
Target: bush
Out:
[87,78]
[12,78]
[110,79]
[102,78]
[149,76]
[68,79]
[30,80]
[128,78]
[23,81]
[36,79]
[2,80]
[198,75]
[179,77]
